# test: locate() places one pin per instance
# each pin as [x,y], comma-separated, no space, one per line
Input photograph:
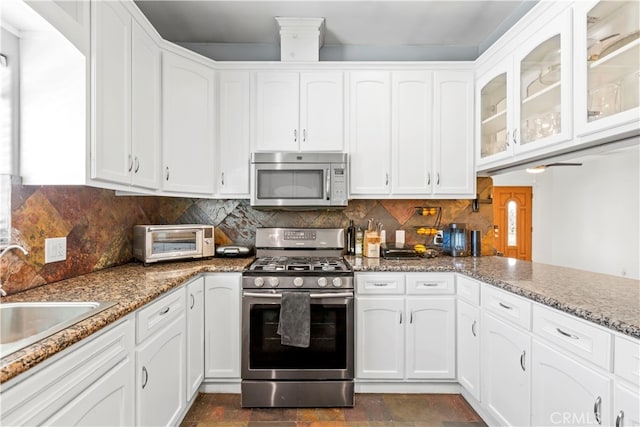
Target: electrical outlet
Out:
[55,249]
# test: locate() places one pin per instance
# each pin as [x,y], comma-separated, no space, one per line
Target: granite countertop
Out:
[609,301]
[131,286]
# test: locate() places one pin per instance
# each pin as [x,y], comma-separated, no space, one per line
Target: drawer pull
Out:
[165,311]
[597,409]
[430,284]
[567,334]
[522,356]
[620,419]
[508,307]
[381,285]
[473,328]
[145,375]
[193,301]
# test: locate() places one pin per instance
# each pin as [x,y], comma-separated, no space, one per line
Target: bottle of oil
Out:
[359,241]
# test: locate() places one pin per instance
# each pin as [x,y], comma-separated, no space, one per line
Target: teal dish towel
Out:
[294,326]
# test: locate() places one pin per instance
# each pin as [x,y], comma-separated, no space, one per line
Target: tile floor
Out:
[371,410]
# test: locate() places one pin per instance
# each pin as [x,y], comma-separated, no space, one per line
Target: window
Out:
[512,221]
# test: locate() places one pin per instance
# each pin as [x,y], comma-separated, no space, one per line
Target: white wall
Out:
[587,217]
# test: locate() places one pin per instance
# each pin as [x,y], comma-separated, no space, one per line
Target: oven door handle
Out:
[327,295]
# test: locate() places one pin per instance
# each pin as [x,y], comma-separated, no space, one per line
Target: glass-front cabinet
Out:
[607,61]
[525,104]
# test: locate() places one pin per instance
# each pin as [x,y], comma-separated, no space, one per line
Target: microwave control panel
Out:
[339,184]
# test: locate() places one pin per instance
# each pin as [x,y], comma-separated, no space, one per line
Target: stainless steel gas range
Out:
[303,267]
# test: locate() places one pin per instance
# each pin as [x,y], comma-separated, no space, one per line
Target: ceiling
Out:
[374,30]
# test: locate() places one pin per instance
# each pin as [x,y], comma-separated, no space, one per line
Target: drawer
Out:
[508,306]
[574,335]
[380,284]
[468,289]
[430,283]
[159,313]
[626,363]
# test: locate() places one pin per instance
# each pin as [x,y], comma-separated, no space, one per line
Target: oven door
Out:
[169,243]
[290,184]
[330,352]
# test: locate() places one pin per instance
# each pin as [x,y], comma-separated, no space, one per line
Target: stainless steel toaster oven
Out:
[153,243]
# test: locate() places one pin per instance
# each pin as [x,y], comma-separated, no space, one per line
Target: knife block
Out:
[371,244]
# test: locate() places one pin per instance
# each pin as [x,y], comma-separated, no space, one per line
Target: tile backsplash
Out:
[98,225]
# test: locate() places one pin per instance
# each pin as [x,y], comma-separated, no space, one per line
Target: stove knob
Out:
[258,281]
[274,282]
[322,282]
[298,282]
[337,282]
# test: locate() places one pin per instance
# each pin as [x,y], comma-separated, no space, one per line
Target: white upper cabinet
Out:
[370,132]
[111,109]
[411,142]
[145,110]
[299,111]
[234,133]
[126,101]
[187,125]
[524,102]
[411,133]
[453,134]
[607,68]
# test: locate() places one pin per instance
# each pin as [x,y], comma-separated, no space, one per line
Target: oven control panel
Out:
[293,282]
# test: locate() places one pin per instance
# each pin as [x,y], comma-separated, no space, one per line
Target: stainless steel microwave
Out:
[153,243]
[299,180]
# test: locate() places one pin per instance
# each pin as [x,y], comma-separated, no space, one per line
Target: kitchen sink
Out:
[24,323]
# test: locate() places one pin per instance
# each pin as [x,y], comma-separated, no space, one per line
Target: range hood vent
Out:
[300,39]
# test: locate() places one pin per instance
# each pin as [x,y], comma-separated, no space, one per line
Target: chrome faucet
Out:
[4,251]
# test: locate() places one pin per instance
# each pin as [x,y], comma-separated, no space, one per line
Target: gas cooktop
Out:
[299,264]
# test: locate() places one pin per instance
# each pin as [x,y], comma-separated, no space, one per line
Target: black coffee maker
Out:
[456,240]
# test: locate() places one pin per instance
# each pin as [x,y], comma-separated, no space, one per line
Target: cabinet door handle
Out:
[145,376]
[567,334]
[522,356]
[295,135]
[193,301]
[508,307]
[597,409]
[222,178]
[428,178]
[515,141]
[437,178]
[386,178]
[620,419]
[411,317]
[473,328]
[304,135]
[167,173]
[165,311]
[400,317]
[130,163]
[137,165]
[506,140]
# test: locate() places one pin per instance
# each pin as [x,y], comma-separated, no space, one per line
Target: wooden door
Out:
[512,208]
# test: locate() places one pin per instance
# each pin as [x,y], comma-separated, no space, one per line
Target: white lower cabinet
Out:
[222,325]
[506,375]
[379,338]
[468,351]
[91,384]
[161,361]
[195,336]
[567,392]
[626,405]
[405,337]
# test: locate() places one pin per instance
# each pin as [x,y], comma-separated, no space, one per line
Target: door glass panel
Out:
[328,339]
[613,49]
[290,184]
[512,227]
[493,99]
[174,241]
[540,81]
